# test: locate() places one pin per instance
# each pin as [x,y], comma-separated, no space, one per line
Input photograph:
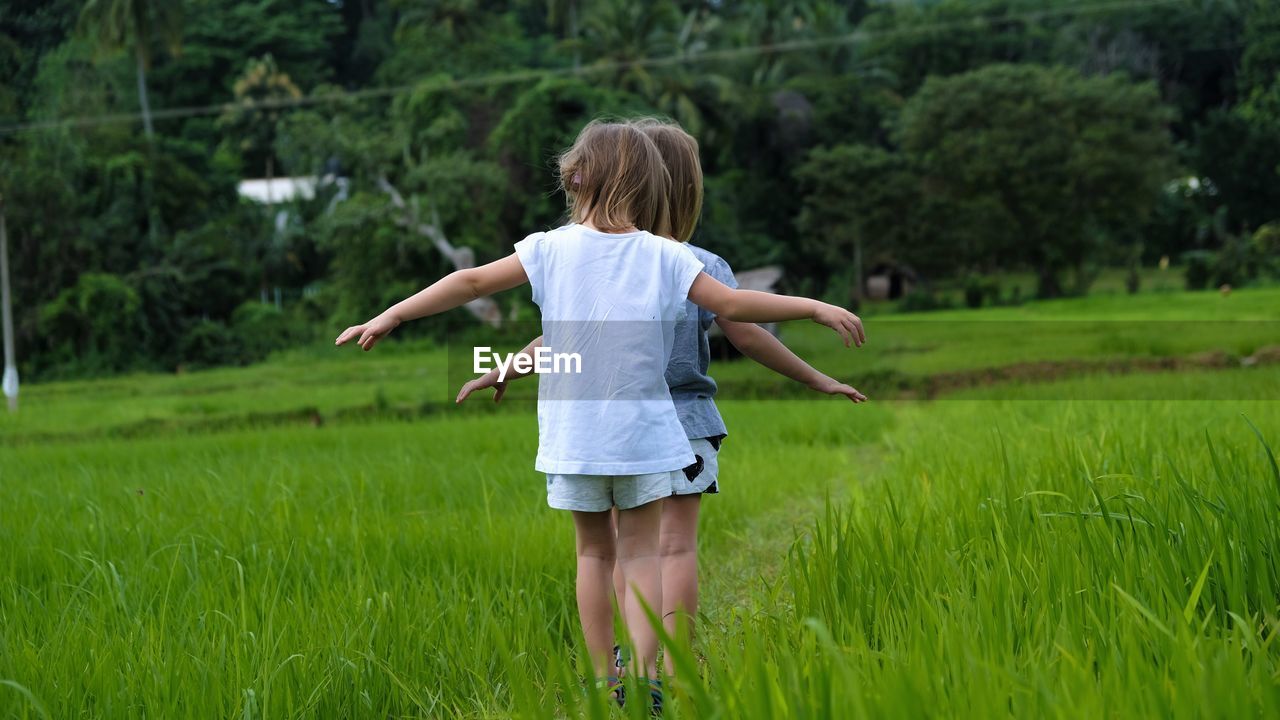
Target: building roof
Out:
[278,190]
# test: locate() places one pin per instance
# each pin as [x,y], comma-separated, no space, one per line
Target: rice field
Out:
[320,537]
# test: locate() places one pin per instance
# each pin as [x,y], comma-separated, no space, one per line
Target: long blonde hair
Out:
[679,152]
[614,176]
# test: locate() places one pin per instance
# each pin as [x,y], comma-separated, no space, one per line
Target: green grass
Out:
[319,568]
[1008,552]
[903,350]
[1061,559]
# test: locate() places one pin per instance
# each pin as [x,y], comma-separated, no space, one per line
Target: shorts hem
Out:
[576,506]
[589,507]
[646,499]
[711,489]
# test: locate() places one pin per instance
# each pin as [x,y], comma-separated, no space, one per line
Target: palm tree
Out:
[647,49]
[564,14]
[115,25]
[261,92]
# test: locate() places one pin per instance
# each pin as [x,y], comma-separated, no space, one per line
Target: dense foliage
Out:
[955,137]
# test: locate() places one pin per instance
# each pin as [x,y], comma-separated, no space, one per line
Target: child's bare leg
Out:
[679,545]
[596,555]
[619,587]
[640,559]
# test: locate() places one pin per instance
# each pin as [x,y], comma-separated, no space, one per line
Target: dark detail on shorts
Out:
[712,488]
[695,469]
[715,441]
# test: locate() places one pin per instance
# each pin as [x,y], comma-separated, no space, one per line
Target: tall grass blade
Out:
[1143,610]
[1189,611]
[31,698]
[1275,468]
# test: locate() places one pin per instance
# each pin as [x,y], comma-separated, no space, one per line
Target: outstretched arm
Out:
[761,346]
[755,306]
[454,289]
[490,379]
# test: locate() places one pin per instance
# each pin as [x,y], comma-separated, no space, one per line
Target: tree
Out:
[1191,49]
[620,36]
[543,120]
[915,41]
[770,23]
[457,38]
[1238,148]
[563,15]
[1054,159]
[858,203]
[262,91]
[134,25]
[421,201]
[1260,62]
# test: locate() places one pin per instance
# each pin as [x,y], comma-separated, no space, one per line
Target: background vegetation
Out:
[972,141]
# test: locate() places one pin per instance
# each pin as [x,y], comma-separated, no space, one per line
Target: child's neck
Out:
[586,223]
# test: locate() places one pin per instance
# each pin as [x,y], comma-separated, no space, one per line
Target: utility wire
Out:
[532,74]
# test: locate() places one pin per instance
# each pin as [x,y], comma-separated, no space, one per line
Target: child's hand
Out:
[831,386]
[489,379]
[842,321]
[369,333]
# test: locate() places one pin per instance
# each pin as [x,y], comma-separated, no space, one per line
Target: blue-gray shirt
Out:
[692,389]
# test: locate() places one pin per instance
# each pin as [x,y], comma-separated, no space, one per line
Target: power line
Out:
[534,74]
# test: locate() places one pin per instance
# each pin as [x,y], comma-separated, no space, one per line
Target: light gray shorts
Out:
[597,493]
[702,477]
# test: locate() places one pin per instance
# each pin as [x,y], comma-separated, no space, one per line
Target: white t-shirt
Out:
[613,299]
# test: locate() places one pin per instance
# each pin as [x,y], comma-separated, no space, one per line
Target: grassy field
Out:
[318,537]
[411,378]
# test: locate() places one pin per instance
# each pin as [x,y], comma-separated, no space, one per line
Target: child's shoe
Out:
[655,697]
[619,658]
[613,686]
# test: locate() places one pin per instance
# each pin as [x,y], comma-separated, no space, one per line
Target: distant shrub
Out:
[1265,247]
[1200,266]
[1235,263]
[261,328]
[1133,279]
[93,326]
[981,290]
[924,301]
[209,343]
[1014,297]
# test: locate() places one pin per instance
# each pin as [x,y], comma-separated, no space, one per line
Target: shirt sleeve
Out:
[530,251]
[721,271]
[684,269]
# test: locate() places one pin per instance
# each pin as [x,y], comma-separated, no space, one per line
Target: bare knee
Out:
[677,544]
[632,552]
[595,539]
[680,526]
[603,552]
[639,532]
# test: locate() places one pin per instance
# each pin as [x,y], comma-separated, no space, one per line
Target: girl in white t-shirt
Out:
[693,391]
[609,436]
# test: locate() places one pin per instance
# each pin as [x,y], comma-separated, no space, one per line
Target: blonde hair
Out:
[614,176]
[679,152]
